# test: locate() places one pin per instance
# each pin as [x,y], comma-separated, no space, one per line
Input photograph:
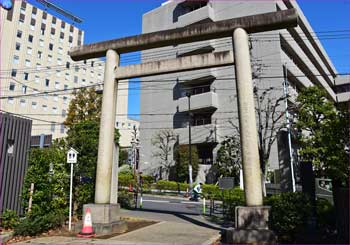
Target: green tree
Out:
[123,157]
[83,122]
[181,166]
[228,161]
[324,137]
[86,105]
[48,171]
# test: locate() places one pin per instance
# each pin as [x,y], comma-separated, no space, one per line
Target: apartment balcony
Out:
[208,78]
[199,16]
[199,102]
[199,134]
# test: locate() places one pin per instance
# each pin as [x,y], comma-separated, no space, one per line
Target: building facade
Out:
[15,140]
[294,54]
[37,74]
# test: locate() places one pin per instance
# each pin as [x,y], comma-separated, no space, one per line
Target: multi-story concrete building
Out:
[37,74]
[213,91]
[127,127]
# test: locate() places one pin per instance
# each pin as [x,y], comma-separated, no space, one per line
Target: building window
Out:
[92,74]
[21,19]
[53,127]
[26,76]
[37,79]
[14,73]
[30,38]
[40,54]
[57,85]
[41,43]
[42,31]
[45,107]
[18,46]
[84,70]
[54,110]
[75,79]
[54,20]
[59,61]
[27,63]
[47,82]
[24,89]
[50,46]
[55,97]
[83,81]
[19,34]
[23,10]
[10,100]
[12,87]
[23,102]
[15,60]
[49,58]
[76,68]
[32,27]
[65,99]
[67,65]
[29,50]
[92,63]
[64,113]
[60,50]
[65,87]
[34,105]
[67,76]
[62,129]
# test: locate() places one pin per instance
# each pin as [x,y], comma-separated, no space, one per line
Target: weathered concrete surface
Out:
[252,24]
[106,136]
[247,121]
[252,217]
[193,62]
[160,233]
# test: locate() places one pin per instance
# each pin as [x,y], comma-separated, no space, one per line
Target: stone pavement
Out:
[161,233]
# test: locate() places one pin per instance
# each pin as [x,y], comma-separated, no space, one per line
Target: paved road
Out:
[174,209]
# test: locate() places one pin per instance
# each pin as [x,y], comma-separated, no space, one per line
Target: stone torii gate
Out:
[254,215]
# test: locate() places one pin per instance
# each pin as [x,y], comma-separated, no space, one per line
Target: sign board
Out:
[226,183]
[72,156]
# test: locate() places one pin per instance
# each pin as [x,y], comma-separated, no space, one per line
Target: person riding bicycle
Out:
[197,190]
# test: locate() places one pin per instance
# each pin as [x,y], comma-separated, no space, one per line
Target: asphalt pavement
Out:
[180,222]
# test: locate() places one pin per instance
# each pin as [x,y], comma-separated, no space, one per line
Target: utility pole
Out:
[285,88]
[188,94]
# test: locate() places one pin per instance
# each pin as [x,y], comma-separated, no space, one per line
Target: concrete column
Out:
[106,137]
[247,121]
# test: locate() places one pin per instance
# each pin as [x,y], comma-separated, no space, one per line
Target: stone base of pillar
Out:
[251,226]
[105,219]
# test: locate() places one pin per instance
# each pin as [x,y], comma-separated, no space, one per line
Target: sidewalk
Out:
[161,233]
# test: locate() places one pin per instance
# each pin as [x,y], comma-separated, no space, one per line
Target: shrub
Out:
[125,179]
[211,191]
[326,216]
[289,214]
[162,185]
[126,199]
[9,219]
[36,223]
[231,199]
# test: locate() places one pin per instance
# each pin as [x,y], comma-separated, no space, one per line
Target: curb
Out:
[214,240]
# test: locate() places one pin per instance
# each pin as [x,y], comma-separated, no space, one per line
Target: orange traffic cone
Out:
[88,230]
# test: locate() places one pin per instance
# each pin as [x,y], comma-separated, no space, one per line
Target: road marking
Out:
[156,201]
[191,202]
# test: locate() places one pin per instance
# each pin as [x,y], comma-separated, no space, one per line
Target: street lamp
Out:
[188,94]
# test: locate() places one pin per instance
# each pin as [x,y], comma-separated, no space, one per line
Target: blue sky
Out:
[109,19]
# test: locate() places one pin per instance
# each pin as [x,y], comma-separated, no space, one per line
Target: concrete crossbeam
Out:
[194,62]
[252,24]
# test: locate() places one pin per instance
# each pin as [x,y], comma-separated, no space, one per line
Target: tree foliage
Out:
[164,142]
[51,188]
[182,162]
[228,162]
[86,105]
[324,134]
